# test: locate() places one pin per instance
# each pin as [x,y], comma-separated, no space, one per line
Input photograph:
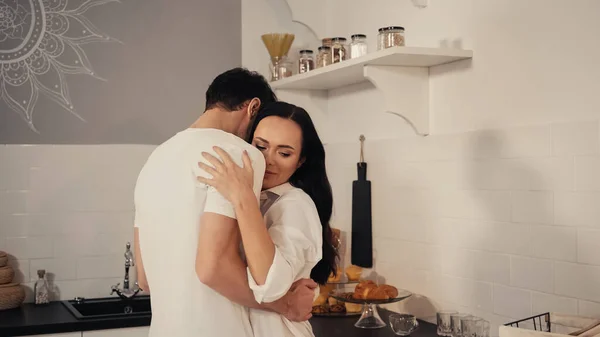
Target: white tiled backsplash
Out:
[68,209]
[501,223]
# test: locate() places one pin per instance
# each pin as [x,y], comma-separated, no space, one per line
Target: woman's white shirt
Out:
[294,226]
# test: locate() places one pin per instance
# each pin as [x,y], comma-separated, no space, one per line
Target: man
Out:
[186,237]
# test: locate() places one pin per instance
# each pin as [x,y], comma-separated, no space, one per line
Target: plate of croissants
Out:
[326,305]
[339,303]
[368,292]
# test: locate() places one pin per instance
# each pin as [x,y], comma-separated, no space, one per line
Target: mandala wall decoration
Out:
[40,43]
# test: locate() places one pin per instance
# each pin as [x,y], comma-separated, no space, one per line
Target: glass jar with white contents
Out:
[388,37]
[358,46]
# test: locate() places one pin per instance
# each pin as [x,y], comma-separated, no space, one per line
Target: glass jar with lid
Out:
[41,289]
[306,62]
[339,52]
[388,37]
[358,45]
[324,56]
[281,69]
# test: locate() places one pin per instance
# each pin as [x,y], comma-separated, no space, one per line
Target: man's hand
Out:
[299,300]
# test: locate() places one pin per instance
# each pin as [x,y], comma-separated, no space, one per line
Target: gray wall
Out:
[155,79]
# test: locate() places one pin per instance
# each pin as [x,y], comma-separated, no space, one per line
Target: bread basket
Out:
[7,274]
[3,259]
[12,296]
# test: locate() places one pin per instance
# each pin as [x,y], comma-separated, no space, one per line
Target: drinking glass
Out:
[403,324]
[444,323]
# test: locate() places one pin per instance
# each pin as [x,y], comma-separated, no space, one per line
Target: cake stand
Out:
[370,318]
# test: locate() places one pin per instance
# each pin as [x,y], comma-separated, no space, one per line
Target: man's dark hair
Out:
[231,89]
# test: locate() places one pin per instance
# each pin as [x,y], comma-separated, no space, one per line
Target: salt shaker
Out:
[41,288]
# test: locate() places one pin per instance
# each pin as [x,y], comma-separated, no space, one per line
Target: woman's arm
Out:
[258,246]
[236,184]
[296,237]
[274,256]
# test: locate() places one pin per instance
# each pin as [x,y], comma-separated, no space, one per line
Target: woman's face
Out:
[280,141]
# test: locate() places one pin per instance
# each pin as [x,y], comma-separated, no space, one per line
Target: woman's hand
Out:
[231,180]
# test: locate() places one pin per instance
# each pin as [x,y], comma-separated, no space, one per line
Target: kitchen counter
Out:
[344,326]
[55,318]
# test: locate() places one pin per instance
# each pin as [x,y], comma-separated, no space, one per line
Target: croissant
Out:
[370,290]
[363,288]
[360,287]
[377,294]
[391,291]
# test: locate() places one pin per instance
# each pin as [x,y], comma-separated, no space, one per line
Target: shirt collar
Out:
[269,196]
[280,189]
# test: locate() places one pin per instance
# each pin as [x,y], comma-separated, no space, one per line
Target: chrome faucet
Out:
[126,293]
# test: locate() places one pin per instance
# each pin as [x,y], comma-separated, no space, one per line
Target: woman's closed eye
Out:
[261,148]
[285,155]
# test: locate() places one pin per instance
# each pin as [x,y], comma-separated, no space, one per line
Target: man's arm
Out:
[218,263]
[219,266]
[139,264]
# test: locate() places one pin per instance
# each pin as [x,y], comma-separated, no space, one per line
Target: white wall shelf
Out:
[400,73]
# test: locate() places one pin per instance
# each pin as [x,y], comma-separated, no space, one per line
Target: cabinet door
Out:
[141,331]
[67,334]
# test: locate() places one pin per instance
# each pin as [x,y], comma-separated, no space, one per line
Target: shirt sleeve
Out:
[296,234]
[217,203]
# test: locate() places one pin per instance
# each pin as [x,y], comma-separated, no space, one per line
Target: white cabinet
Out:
[67,334]
[141,331]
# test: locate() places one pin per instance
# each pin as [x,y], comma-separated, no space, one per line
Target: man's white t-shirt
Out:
[169,202]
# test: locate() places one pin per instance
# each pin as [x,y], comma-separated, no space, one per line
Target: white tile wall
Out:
[499,223]
[512,302]
[534,274]
[542,302]
[589,309]
[575,138]
[68,209]
[554,242]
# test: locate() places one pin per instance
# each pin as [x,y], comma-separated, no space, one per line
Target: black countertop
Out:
[344,326]
[55,318]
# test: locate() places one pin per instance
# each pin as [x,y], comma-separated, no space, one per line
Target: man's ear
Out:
[253,107]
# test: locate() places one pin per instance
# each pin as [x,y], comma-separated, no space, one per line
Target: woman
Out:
[296,203]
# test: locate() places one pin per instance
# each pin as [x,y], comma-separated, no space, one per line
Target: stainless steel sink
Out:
[109,307]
